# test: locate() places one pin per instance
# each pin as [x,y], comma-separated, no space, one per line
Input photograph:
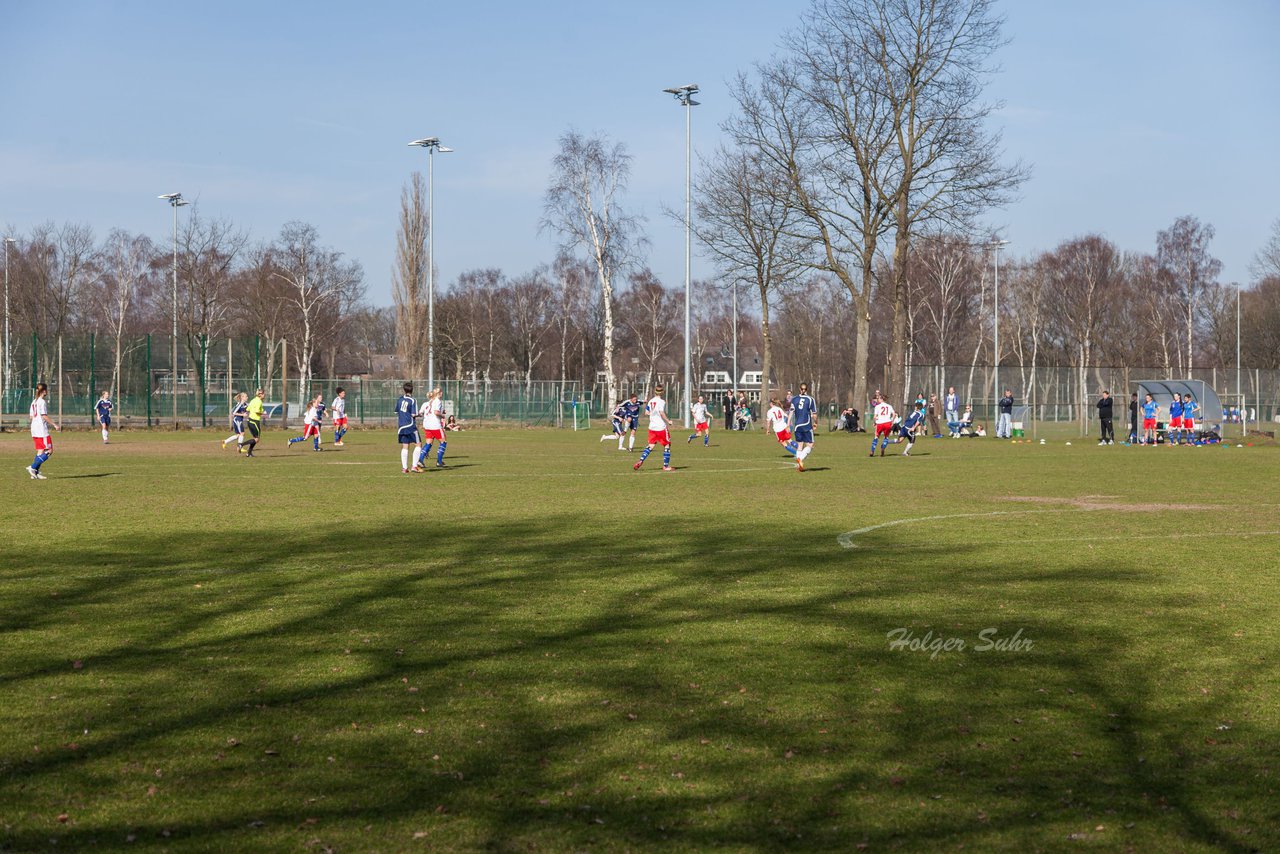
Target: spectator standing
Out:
[951,405]
[1005,423]
[1133,418]
[728,410]
[1105,404]
[934,428]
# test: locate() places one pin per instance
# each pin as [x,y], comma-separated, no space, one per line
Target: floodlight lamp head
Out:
[426,142]
[169,197]
[443,149]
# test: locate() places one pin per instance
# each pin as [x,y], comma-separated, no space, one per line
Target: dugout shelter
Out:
[1162,391]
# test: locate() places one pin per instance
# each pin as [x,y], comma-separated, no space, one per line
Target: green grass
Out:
[538,649]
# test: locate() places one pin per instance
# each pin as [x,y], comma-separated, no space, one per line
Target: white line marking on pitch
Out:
[846,539]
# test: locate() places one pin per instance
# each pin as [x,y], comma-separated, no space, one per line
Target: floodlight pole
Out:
[997,245]
[175,201]
[684,94]
[1244,423]
[6,377]
[431,144]
[736,375]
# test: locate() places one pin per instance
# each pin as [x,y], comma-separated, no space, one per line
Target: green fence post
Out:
[360,401]
[149,381]
[93,388]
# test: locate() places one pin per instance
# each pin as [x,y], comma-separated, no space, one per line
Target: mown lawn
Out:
[539,649]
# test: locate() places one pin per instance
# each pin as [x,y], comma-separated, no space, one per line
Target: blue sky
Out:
[1130,113]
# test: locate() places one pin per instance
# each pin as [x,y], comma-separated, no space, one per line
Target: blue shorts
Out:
[237,426]
[407,436]
[105,420]
[619,427]
[804,434]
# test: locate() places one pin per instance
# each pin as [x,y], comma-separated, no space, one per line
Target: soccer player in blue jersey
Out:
[1190,409]
[618,424]
[103,411]
[238,411]
[908,429]
[1173,433]
[1150,409]
[407,435]
[801,424]
[632,408]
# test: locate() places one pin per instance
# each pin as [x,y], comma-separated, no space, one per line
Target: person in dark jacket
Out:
[1133,418]
[1104,419]
[728,410]
[1005,422]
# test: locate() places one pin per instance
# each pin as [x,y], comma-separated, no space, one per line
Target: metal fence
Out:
[146,386]
[146,391]
[1070,394]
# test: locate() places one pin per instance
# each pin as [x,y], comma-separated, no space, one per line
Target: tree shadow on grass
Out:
[538,684]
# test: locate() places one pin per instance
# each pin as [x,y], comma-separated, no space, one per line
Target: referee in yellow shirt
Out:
[254,421]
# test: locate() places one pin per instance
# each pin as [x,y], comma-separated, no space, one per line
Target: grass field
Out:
[539,649]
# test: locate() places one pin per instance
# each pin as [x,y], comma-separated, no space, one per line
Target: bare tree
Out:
[745,221]
[948,269]
[1085,277]
[1187,270]
[530,309]
[582,204]
[320,282]
[56,266]
[1267,262]
[651,313]
[812,119]
[126,273]
[572,301]
[926,61]
[207,253]
[409,278]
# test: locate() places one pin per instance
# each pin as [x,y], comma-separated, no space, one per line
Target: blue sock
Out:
[706,440]
[295,439]
[691,435]
[315,443]
[644,455]
[791,448]
[440,453]
[39,461]
[423,453]
[666,456]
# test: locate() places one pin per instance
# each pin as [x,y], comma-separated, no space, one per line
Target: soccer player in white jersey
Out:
[803,408]
[432,413]
[311,423]
[40,425]
[776,417]
[883,416]
[338,410]
[659,430]
[701,422]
